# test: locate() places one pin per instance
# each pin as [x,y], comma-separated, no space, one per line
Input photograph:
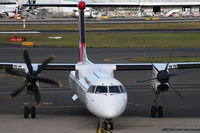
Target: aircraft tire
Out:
[33,112]
[153,111]
[111,125]
[26,112]
[105,125]
[160,111]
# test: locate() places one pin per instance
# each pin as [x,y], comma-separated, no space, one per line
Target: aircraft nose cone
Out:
[111,110]
[108,106]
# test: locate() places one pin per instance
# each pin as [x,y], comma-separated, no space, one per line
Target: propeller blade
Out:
[37,95]
[44,64]
[175,90]
[180,73]
[145,80]
[152,64]
[15,93]
[167,64]
[27,60]
[15,72]
[50,81]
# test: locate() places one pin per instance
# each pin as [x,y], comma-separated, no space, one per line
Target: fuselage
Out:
[103,95]
[94,84]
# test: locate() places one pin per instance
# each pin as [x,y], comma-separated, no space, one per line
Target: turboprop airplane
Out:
[94,84]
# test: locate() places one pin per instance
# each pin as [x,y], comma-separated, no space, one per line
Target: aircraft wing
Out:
[118,67]
[148,66]
[51,66]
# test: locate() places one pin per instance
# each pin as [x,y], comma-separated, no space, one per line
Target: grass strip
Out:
[111,40]
[184,25]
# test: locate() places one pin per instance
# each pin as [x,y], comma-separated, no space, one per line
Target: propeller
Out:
[163,76]
[31,77]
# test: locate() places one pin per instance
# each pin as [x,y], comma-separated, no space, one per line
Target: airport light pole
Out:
[16,13]
[139,10]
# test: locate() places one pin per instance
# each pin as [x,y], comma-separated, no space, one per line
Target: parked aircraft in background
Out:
[9,10]
[172,13]
[94,84]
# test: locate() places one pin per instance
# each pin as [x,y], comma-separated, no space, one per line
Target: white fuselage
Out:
[96,87]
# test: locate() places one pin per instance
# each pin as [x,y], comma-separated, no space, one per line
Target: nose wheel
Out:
[104,126]
[107,125]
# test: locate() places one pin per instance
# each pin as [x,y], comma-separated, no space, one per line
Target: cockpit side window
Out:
[101,89]
[114,89]
[122,88]
[91,89]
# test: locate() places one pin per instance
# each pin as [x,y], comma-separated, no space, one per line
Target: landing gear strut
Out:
[155,109]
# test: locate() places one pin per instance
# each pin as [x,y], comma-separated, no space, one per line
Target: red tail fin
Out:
[82,45]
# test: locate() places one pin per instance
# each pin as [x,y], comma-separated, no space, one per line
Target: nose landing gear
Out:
[104,126]
[108,125]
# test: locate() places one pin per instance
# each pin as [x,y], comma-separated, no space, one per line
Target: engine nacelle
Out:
[163,87]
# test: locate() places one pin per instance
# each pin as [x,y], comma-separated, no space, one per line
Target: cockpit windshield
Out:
[101,89]
[114,89]
[122,88]
[91,89]
[106,89]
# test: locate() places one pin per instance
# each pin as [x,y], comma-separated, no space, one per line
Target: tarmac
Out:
[101,31]
[59,113]
[85,124]
[70,21]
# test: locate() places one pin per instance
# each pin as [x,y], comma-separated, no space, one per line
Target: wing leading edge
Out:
[148,66]
[118,67]
[51,66]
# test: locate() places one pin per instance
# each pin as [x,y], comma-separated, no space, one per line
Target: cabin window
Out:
[122,88]
[114,89]
[91,89]
[101,89]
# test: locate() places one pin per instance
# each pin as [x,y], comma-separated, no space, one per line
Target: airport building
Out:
[142,8]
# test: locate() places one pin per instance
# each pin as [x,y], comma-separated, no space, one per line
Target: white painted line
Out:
[19,32]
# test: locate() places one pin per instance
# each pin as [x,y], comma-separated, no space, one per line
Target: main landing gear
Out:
[156,111]
[29,108]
